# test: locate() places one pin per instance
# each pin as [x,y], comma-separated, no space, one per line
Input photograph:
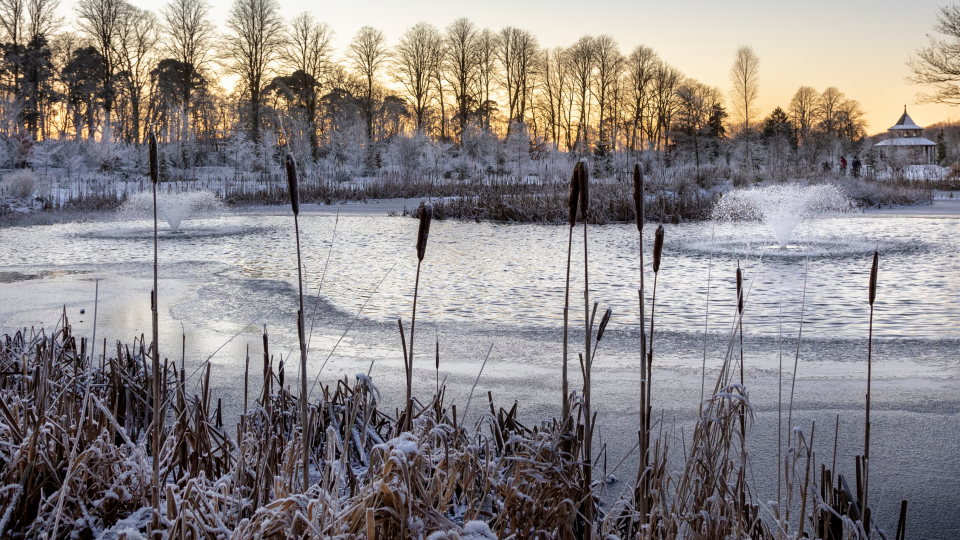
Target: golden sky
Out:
[861,47]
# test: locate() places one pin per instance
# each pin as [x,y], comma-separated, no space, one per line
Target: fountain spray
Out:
[157,420]
[295,206]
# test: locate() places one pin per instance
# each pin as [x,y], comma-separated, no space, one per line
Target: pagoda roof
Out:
[906,141]
[905,122]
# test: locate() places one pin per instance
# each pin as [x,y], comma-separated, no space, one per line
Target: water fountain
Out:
[780,207]
[171,207]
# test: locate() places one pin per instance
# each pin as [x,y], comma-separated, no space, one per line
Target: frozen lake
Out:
[223,278]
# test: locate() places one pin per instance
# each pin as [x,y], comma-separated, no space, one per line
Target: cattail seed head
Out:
[292,184]
[584,190]
[426,214]
[638,196]
[603,323]
[154,158]
[657,248]
[574,199]
[873,276]
[739,290]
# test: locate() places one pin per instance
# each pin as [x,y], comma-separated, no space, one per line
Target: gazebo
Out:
[906,138]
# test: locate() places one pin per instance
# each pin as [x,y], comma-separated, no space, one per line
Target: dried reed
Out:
[155,324]
[583,181]
[866,436]
[426,215]
[294,190]
[573,201]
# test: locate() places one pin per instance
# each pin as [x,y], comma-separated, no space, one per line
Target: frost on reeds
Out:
[496,478]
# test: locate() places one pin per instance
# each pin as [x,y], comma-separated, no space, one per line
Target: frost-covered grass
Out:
[75,463]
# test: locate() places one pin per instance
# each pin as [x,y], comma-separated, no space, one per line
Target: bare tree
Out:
[42,18]
[486,71]
[189,39]
[13,20]
[695,105]
[804,112]
[517,54]
[609,67]
[582,57]
[414,64]
[666,79]
[437,78]
[640,67]
[461,66]
[307,54]
[938,64]
[368,54]
[851,123]
[829,106]
[555,83]
[745,76]
[136,42]
[254,41]
[101,20]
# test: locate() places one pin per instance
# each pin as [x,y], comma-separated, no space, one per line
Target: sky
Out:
[861,47]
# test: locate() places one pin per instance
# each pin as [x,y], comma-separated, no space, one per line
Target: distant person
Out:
[856,166]
[843,165]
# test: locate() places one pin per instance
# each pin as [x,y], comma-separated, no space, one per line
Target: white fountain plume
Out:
[171,207]
[780,207]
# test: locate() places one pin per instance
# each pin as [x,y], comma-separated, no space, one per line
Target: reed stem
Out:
[866,436]
[413,325]
[292,184]
[155,323]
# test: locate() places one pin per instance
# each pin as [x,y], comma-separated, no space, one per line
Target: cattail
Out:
[292,185]
[426,214]
[657,248]
[638,196]
[154,158]
[873,276]
[574,199]
[603,323]
[584,190]
[739,290]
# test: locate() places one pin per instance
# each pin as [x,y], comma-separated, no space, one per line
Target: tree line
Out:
[124,70]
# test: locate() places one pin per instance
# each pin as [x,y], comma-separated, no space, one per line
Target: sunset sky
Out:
[858,46]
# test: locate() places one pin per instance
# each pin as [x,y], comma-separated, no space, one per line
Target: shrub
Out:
[20,183]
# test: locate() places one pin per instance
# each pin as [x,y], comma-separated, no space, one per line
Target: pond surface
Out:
[514,274]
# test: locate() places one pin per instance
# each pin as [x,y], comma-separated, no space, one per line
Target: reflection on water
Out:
[514,274]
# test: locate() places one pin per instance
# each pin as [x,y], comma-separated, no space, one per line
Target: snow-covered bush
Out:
[20,183]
